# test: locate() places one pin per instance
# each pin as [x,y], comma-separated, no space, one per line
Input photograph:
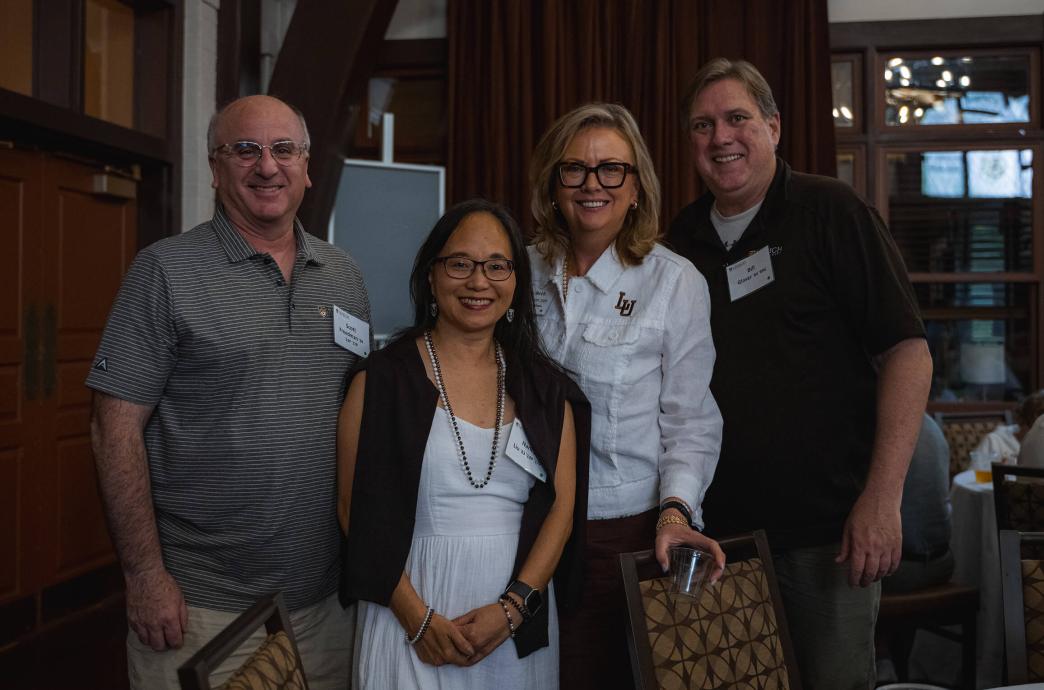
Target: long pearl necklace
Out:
[437,371]
[565,277]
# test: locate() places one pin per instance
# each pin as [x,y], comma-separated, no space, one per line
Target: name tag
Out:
[750,274]
[541,298]
[522,454]
[351,332]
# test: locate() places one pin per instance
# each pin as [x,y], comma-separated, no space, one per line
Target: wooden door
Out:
[69,248]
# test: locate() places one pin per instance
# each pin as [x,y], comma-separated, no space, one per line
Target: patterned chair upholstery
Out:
[732,636]
[1022,585]
[274,665]
[964,431]
[1018,494]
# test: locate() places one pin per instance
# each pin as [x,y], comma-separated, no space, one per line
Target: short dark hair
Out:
[723,68]
[518,337]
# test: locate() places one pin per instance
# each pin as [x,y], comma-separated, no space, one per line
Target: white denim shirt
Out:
[637,340]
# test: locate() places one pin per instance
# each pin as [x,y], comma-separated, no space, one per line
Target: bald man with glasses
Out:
[217,386]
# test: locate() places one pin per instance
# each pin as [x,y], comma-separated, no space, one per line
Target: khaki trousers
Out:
[324,633]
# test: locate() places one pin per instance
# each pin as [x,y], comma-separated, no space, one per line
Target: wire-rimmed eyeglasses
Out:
[248,153]
[462,267]
[609,175]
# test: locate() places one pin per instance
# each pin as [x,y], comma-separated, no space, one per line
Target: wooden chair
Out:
[1022,587]
[964,431]
[1018,497]
[903,613]
[275,665]
[690,643]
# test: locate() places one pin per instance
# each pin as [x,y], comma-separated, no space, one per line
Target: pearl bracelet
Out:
[423,627]
[507,614]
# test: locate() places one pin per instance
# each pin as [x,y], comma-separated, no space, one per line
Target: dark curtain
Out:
[516,65]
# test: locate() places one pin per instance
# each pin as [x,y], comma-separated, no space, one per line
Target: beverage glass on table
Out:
[981,460]
[689,570]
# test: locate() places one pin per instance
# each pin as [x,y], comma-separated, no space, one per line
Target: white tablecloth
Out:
[973,540]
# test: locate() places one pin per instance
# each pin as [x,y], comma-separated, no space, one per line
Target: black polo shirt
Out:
[794,377]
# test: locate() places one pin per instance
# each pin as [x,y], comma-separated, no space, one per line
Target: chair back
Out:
[1022,587]
[1018,497]
[680,642]
[964,431]
[274,665]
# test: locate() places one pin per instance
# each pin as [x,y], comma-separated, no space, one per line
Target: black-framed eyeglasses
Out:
[248,153]
[462,267]
[609,175]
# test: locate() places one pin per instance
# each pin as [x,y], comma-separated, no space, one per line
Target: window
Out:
[950,154]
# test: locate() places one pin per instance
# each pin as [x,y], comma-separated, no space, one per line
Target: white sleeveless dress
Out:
[463,549]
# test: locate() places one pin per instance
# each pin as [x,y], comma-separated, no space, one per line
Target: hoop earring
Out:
[433,309]
[510,314]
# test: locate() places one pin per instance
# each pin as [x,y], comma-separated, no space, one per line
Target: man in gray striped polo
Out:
[217,387]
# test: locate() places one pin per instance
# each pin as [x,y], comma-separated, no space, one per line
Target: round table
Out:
[976,555]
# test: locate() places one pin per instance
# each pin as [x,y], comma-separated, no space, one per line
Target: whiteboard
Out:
[382,214]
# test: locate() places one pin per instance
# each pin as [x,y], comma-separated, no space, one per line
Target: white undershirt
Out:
[731,228]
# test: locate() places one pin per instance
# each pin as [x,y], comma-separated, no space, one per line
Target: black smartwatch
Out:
[680,507]
[532,599]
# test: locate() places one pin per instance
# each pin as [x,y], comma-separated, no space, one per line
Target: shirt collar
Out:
[606,270]
[238,249]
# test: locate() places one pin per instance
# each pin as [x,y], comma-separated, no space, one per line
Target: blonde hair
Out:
[641,226]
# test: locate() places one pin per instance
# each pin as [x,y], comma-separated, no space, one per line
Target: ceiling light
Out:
[937,60]
[947,75]
[905,71]
[918,112]
[836,114]
[895,62]
[846,112]
[903,117]
[965,81]
[940,83]
[888,75]
[904,82]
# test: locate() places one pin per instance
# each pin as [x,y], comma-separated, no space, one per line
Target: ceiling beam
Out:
[323,68]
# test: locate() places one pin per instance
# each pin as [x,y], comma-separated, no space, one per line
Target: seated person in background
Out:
[1031,417]
[925,511]
[1003,444]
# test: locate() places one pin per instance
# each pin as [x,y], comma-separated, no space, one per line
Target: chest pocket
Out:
[607,351]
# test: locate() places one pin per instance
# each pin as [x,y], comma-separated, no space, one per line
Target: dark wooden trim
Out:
[938,33]
[238,50]
[422,52]
[336,46]
[974,278]
[48,122]
[58,52]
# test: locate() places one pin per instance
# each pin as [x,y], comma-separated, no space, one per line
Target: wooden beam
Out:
[323,68]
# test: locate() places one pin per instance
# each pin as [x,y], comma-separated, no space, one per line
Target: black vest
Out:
[396,420]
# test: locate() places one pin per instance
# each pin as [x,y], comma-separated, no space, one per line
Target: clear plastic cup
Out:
[981,461]
[689,570]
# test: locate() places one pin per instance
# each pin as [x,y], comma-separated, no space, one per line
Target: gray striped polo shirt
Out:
[247,382]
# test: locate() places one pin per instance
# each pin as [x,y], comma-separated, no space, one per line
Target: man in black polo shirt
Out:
[822,371]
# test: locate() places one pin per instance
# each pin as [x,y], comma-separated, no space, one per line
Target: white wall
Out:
[886,10]
[199,89]
[418,19]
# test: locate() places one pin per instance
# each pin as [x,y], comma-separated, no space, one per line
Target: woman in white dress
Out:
[458,479]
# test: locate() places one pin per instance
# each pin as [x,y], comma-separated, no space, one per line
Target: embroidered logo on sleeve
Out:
[102,364]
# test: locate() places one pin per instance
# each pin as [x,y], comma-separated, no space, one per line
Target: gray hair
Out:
[215,119]
[723,68]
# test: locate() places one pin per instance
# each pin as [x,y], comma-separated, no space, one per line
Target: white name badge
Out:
[750,274]
[522,454]
[541,298]
[351,332]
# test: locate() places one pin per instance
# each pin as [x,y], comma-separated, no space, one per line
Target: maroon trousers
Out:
[593,637]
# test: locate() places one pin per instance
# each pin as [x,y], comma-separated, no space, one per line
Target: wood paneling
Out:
[16,45]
